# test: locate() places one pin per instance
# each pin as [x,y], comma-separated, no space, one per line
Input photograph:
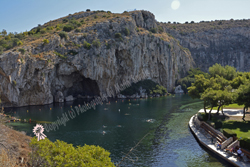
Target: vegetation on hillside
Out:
[62,26]
[81,23]
[59,153]
[192,27]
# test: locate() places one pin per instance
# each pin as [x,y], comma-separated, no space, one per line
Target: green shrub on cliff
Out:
[60,55]
[86,45]
[22,50]
[68,27]
[60,153]
[96,43]
[45,41]
[126,31]
[153,30]
[63,34]
[118,36]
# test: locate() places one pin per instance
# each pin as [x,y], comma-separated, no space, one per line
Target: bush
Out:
[60,153]
[228,133]
[77,30]
[45,41]
[126,31]
[60,55]
[160,29]
[22,50]
[96,43]
[159,89]
[63,34]
[49,28]
[86,45]
[95,16]
[153,30]
[1,50]
[68,27]
[43,31]
[20,36]
[31,32]
[118,35]
[65,20]
[14,82]
[245,143]
[19,43]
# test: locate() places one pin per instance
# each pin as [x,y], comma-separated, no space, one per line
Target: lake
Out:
[169,141]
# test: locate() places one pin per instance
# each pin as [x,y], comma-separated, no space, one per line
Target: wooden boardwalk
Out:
[206,140]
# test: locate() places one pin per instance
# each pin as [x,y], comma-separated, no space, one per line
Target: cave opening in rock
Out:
[82,86]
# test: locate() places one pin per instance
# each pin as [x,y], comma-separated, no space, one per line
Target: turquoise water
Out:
[169,141]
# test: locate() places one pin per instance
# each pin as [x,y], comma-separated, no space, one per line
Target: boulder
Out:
[178,90]
[69,98]
[59,98]
[120,96]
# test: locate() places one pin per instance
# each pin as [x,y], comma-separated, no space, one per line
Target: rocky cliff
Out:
[88,61]
[220,41]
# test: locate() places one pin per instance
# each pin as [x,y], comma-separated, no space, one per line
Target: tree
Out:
[59,153]
[243,96]
[4,32]
[188,80]
[198,87]
[226,72]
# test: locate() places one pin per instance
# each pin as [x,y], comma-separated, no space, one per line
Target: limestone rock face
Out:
[31,80]
[59,98]
[224,46]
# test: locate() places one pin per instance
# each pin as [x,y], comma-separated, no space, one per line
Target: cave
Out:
[81,86]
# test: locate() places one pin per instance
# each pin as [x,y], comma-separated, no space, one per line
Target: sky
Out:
[21,15]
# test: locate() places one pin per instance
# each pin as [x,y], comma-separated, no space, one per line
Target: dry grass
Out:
[16,144]
[7,160]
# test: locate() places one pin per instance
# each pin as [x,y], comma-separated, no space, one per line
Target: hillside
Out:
[221,41]
[85,54]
